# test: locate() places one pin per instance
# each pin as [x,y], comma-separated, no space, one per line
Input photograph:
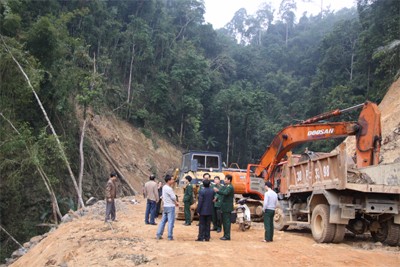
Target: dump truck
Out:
[333,192]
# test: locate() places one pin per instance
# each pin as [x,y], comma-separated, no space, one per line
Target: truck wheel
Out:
[381,232]
[280,220]
[339,233]
[393,236]
[322,230]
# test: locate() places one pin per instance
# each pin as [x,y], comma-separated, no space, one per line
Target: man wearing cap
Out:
[111,194]
[270,201]
[151,193]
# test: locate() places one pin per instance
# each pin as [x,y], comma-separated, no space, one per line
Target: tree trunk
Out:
[287,33]
[228,140]
[81,155]
[352,59]
[181,130]
[130,75]
[114,165]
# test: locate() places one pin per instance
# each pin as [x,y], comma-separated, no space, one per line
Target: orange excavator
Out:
[367,131]
[368,135]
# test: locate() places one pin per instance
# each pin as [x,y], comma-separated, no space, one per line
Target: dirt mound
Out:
[390,121]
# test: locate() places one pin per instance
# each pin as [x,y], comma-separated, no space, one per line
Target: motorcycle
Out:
[243,217]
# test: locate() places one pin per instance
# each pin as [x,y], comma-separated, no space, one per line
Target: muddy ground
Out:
[88,241]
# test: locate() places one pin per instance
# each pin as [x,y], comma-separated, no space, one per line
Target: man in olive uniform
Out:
[216,217]
[227,194]
[188,200]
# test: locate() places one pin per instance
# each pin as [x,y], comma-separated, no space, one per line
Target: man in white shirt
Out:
[270,202]
[170,202]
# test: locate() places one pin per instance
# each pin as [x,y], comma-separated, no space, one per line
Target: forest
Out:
[158,65]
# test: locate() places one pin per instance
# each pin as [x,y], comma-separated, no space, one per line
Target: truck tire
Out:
[339,233]
[280,220]
[393,234]
[321,229]
[382,232]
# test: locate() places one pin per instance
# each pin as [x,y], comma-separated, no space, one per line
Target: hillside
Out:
[126,149]
[390,120]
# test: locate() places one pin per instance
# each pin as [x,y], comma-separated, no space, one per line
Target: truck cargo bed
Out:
[337,171]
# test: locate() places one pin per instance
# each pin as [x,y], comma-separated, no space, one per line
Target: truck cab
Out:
[197,163]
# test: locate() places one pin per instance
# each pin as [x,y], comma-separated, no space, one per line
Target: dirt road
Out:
[88,241]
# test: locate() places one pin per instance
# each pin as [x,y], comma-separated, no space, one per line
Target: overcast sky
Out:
[220,12]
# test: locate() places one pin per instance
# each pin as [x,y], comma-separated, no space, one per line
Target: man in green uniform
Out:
[216,216]
[188,200]
[227,194]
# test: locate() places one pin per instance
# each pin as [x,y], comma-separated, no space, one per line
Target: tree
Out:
[286,11]
[189,79]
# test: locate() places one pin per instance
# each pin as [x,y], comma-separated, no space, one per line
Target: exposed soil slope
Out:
[390,120]
[126,149]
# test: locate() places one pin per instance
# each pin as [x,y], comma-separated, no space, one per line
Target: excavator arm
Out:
[367,131]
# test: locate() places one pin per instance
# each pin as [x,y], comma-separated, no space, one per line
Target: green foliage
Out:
[42,41]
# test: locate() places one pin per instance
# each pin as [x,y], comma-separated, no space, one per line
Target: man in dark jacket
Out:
[227,193]
[188,200]
[111,194]
[205,210]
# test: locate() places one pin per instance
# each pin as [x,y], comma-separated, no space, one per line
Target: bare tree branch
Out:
[5,231]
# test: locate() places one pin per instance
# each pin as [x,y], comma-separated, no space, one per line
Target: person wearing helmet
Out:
[151,193]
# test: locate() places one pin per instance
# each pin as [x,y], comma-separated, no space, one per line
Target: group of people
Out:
[215,205]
